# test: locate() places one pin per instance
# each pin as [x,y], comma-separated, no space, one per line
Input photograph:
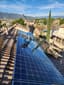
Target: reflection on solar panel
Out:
[34,68]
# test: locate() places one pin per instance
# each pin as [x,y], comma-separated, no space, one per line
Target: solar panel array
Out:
[34,69]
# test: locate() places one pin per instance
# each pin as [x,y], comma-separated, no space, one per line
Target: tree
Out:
[44,21]
[37,21]
[4,25]
[19,21]
[61,21]
[48,35]
[49,26]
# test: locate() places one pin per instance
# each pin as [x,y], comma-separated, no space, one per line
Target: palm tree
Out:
[49,26]
[48,35]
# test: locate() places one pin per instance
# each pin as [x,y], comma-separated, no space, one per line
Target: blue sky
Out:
[33,7]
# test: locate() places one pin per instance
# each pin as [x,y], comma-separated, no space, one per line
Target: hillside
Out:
[13,16]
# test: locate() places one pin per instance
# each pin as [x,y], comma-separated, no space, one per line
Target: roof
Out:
[62,26]
[59,33]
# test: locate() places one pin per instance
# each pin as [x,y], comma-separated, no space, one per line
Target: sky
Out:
[33,7]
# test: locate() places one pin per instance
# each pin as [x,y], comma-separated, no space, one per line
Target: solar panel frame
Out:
[29,68]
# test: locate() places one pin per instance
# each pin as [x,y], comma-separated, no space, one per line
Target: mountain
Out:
[58,16]
[40,17]
[15,16]
[10,16]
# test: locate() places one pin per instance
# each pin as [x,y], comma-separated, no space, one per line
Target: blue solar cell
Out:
[34,68]
[29,83]
[23,70]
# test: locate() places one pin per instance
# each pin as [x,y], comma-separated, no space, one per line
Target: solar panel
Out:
[34,68]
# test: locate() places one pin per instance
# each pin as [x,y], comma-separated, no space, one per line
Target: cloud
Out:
[52,6]
[58,14]
[2,6]
[16,7]
[22,8]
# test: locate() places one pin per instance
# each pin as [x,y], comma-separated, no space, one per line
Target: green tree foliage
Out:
[4,25]
[0,23]
[20,21]
[52,19]
[49,26]
[37,21]
[61,20]
[48,32]
[44,21]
